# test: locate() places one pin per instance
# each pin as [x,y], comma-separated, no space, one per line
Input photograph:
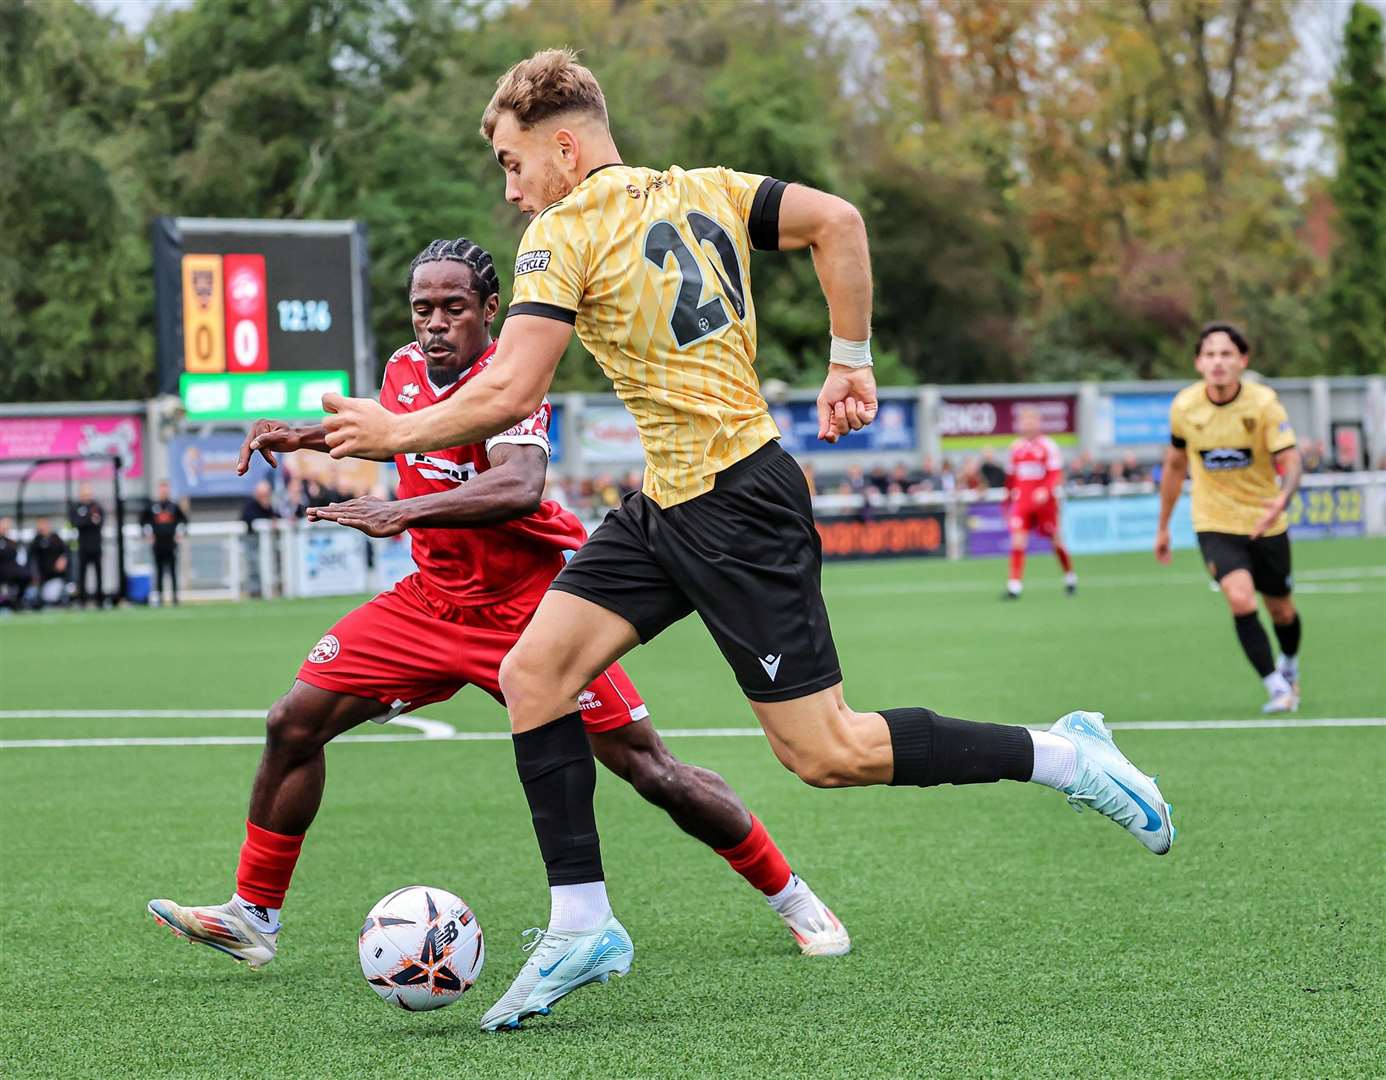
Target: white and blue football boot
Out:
[1107,782]
[560,961]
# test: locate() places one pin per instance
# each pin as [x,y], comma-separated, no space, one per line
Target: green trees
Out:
[1055,189]
[1357,292]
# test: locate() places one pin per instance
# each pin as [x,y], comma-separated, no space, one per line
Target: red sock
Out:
[1064,560]
[758,860]
[1017,563]
[267,864]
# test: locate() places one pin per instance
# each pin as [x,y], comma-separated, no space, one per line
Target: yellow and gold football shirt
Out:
[1231,449]
[652,267]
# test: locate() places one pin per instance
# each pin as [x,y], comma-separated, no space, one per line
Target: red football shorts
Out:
[1042,518]
[407,649]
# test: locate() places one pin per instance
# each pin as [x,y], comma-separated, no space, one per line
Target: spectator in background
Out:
[13,575]
[294,503]
[259,507]
[927,477]
[48,559]
[878,479]
[162,521]
[970,476]
[901,480]
[854,482]
[1116,473]
[809,478]
[947,477]
[1135,472]
[992,474]
[1313,455]
[631,482]
[88,517]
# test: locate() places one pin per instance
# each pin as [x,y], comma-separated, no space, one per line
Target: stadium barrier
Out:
[222,560]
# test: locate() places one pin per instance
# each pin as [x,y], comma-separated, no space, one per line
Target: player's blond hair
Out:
[547,84]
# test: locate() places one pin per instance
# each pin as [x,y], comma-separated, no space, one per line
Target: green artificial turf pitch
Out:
[995,931]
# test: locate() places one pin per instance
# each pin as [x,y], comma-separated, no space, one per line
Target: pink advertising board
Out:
[53,436]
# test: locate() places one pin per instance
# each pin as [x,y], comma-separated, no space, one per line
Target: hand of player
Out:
[1162,554]
[372,516]
[268,437]
[1274,508]
[358,427]
[847,401]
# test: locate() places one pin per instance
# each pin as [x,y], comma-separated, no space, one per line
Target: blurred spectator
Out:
[294,501]
[13,575]
[927,477]
[162,522]
[606,492]
[809,477]
[632,481]
[901,480]
[854,483]
[970,476]
[88,517]
[878,479]
[259,507]
[1135,472]
[48,558]
[992,474]
[1313,455]
[947,477]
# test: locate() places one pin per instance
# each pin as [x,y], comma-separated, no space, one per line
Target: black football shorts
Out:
[1267,559]
[745,556]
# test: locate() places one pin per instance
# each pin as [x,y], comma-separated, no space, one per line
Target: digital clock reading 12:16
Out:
[304,316]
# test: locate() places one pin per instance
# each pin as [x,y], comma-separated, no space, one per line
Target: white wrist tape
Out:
[852,354]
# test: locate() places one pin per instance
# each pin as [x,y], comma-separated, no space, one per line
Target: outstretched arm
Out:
[833,230]
[1171,484]
[270,437]
[512,386]
[510,489]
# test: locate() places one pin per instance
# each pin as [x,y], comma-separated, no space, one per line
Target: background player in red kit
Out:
[1033,475]
[486,548]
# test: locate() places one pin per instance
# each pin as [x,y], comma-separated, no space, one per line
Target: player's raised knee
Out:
[289,728]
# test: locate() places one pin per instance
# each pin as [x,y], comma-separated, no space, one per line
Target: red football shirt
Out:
[1034,463]
[488,563]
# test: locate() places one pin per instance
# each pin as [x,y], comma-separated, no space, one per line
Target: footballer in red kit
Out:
[1033,474]
[487,547]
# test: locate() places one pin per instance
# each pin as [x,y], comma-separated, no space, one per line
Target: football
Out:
[421,948]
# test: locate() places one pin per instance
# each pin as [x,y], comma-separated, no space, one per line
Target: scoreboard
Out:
[260,318]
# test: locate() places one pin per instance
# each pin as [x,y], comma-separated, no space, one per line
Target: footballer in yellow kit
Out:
[651,267]
[1235,440]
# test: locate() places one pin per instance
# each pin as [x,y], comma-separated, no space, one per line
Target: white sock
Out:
[1071,578]
[781,898]
[266,919]
[1056,760]
[1289,667]
[1013,587]
[578,907]
[1276,684]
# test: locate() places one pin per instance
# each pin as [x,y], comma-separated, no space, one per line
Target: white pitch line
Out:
[1264,723]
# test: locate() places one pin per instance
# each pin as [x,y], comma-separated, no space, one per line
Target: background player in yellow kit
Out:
[1233,437]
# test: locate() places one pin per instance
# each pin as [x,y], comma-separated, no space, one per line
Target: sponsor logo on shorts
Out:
[325,650]
[527,262]
[1234,457]
[588,700]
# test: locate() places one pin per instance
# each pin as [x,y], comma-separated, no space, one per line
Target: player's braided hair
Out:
[469,254]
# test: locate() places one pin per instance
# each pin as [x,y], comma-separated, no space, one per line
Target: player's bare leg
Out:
[826,743]
[703,805]
[1240,590]
[284,799]
[1286,624]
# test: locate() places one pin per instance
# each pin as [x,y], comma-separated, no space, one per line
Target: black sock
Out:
[1288,636]
[560,777]
[930,749]
[1255,644]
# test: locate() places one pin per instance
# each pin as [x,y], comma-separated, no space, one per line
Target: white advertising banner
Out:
[331,562]
[609,436]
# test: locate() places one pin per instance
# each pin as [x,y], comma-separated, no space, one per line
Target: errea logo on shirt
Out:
[529,261]
[408,392]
